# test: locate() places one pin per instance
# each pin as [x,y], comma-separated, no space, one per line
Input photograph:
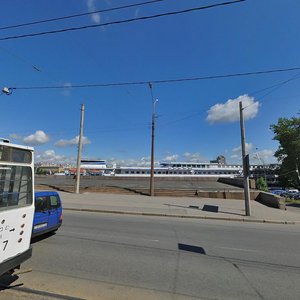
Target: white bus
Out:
[16,204]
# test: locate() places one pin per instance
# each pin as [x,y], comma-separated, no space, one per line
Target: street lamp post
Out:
[79,150]
[245,159]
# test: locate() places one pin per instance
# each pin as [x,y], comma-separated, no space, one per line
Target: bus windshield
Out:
[15,186]
[11,154]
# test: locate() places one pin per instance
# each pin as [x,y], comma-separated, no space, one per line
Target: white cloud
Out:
[91,4]
[48,155]
[229,111]
[134,162]
[170,158]
[193,157]
[137,12]
[72,142]
[67,90]
[264,156]
[15,136]
[37,138]
[238,150]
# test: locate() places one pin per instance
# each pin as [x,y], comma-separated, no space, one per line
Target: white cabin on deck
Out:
[183,169]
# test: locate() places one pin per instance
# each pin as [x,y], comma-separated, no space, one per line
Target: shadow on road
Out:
[191,248]
[6,280]
[42,237]
[209,208]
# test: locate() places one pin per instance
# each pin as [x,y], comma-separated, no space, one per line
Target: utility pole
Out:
[245,159]
[79,150]
[152,142]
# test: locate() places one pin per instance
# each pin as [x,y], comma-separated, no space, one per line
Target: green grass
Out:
[288,200]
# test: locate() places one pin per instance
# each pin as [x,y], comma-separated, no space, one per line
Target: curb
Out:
[182,216]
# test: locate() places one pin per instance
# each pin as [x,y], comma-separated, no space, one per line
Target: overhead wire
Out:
[277,85]
[180,119]
[34,34]
[273,87]
[79,15]
[163,81]
[34,67]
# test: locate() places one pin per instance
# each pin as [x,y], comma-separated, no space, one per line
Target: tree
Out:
[261,184]
[287,133]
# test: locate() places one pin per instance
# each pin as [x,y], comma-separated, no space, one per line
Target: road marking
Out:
[238,249]
[103,235]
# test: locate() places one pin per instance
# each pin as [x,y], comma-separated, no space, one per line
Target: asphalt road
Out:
[96,256]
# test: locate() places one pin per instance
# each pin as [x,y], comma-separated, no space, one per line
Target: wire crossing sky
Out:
[119,22]
[209,77]
[80,15]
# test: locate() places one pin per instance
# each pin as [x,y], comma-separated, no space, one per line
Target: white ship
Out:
[215,168]
[170,169]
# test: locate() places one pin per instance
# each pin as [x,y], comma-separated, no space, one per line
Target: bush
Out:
[261,184]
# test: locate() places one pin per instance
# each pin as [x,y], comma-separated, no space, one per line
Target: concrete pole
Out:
[152,142]
[79,150]
[245,164]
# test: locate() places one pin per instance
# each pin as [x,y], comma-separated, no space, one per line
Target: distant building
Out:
[93,164]
[49,169]
[268,172]
[221,160]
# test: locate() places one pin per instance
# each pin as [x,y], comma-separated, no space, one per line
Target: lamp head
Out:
[6,91]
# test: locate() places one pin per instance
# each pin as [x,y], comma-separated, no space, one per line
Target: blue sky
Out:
[196,120]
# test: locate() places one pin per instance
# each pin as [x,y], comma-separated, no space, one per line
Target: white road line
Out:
[238,249]
[70,233]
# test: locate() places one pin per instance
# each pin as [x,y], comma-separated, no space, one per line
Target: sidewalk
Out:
[182,207]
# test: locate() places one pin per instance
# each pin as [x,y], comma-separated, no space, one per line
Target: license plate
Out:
[39,226]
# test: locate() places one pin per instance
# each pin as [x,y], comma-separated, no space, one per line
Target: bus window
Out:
[15,186]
